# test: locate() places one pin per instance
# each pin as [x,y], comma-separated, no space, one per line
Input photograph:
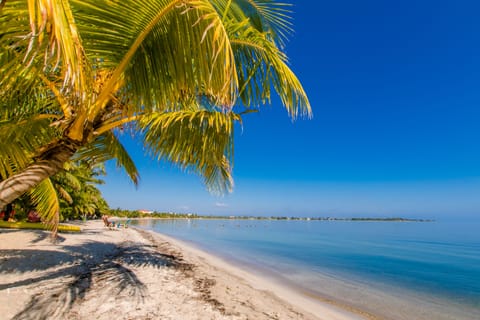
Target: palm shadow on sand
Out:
[78,271]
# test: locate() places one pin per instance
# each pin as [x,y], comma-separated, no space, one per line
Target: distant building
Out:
[145,211]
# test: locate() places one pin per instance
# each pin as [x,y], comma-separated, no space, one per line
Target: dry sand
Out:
[134,274]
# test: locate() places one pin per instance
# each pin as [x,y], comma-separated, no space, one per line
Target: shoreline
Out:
[357,296]
[305,301]
[138,274]
[135,274]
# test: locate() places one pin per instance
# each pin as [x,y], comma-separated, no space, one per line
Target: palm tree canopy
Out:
[72,73]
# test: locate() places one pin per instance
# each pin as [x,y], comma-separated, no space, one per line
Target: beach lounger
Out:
[107,223]
[124,225]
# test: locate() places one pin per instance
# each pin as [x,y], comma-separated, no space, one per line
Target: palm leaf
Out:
[264,65]
[19,140]
[46,200]
[270,17]
[64,194]
[70,179]
[200,141]
[106,147]
[165,50]
[44,31]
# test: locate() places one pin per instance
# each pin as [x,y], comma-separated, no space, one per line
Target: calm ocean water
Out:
[434,262]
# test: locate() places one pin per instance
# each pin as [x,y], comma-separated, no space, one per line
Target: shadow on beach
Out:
[63,276]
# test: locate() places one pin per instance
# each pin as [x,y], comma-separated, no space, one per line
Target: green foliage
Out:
[123,213]
[69,195]
[108,147]
[44,197]
[80,197]
[198,139]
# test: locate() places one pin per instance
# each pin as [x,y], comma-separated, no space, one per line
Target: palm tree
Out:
[77,188]
[73,74]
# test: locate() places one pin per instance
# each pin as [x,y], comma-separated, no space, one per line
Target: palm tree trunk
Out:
[49,162]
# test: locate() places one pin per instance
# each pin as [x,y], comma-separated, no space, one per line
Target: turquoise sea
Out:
[395,270]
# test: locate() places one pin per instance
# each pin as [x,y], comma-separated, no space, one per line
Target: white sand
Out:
[130,274]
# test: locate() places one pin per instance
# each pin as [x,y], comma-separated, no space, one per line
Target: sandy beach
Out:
[134,274]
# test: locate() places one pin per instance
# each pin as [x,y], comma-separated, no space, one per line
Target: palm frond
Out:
[19,141]
[43,31]
[72,180]
[64,194]
[270,17]
[263,65]
[46,200]
[106,147]
[200,141]
[18,82]
[165,50]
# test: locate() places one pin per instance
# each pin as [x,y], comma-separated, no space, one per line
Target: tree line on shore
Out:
[123,213]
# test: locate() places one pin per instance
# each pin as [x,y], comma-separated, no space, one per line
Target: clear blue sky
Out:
[395,90]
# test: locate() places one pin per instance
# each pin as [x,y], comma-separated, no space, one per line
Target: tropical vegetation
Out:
[78,194]
[176,74]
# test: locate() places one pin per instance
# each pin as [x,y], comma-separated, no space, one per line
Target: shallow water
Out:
[425,270]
